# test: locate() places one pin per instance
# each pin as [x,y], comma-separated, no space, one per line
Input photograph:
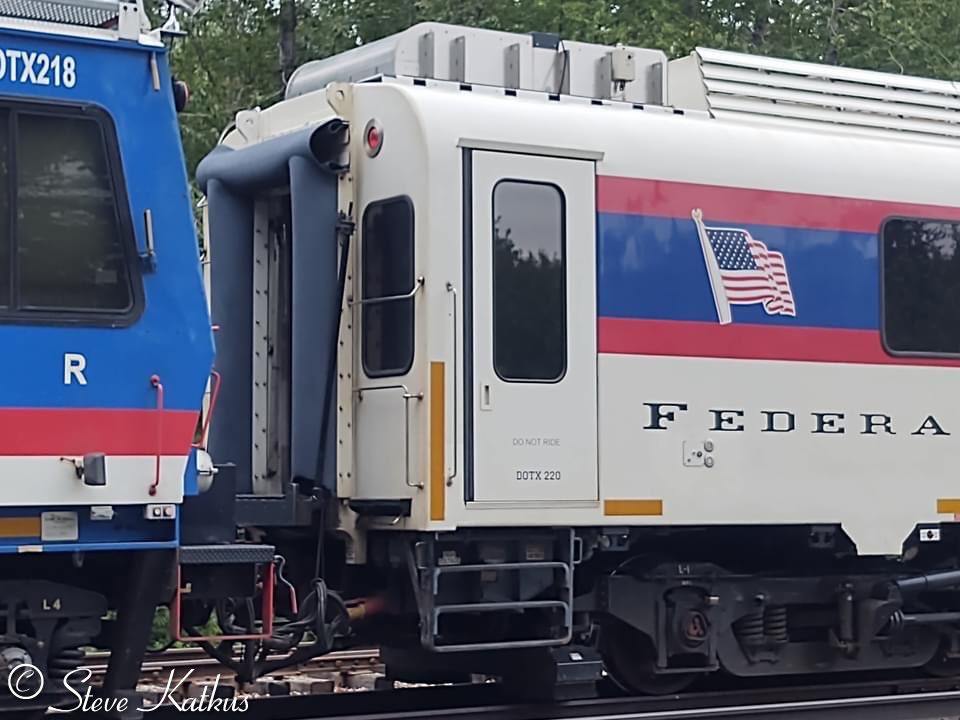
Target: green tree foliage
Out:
[232,57]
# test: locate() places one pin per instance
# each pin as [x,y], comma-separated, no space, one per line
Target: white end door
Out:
[532,252]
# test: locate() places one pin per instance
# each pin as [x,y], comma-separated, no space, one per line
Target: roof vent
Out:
[88,13]
[742,86]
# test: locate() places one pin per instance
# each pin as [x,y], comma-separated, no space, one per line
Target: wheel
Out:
[942,665]
[630,660]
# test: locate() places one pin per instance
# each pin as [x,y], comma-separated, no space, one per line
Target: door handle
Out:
[453,291]
[485,396]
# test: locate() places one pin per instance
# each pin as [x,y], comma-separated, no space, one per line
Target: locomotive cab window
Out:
[387,272]
[65,250]
[529,282]
[921,286]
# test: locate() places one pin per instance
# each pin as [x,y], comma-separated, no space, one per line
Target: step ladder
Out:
[530,584]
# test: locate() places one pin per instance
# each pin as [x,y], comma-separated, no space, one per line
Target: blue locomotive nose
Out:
[105,340]
[102,306]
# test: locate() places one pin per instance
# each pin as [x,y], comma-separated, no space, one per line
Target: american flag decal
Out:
[744,271]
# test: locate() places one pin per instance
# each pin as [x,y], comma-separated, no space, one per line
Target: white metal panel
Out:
[878,486]
[789,158]
[47,480]
[390,430]
[685,84]
[262,482]
[670,147]
[660,145]
[779,158]
[535,441]
[788,89]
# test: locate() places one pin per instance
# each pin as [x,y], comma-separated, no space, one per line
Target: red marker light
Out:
[373,138]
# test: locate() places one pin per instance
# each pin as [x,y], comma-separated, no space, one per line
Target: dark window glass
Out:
[387,271]
[6,247]
[529,282]
[921,286]
[69,250]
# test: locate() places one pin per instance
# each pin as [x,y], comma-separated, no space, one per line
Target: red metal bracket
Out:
[266,612]
[155,382]
[214,394]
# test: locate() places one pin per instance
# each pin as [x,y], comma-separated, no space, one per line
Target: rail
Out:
[197,658]
[942,705]
[880,699]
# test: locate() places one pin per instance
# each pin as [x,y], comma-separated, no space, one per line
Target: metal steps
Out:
[521,599]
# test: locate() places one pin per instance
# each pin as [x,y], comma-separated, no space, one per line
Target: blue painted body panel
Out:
[128,529]
[172,337]
[653,268]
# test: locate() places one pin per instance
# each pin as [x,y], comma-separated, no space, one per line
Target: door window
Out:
[529,282]
[387,270]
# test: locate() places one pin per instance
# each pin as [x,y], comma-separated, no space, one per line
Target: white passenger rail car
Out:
[560,346]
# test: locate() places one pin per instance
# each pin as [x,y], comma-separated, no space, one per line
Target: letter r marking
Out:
[73,366]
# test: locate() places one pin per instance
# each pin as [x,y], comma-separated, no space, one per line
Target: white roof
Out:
[519,61]
[725,85]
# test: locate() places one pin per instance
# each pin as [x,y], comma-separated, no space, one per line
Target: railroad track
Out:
[191,673]
[937,700]
[197,658]
[920,706]
[913,700]
[918,698]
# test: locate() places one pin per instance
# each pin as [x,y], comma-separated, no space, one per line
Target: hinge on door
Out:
[345,225]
